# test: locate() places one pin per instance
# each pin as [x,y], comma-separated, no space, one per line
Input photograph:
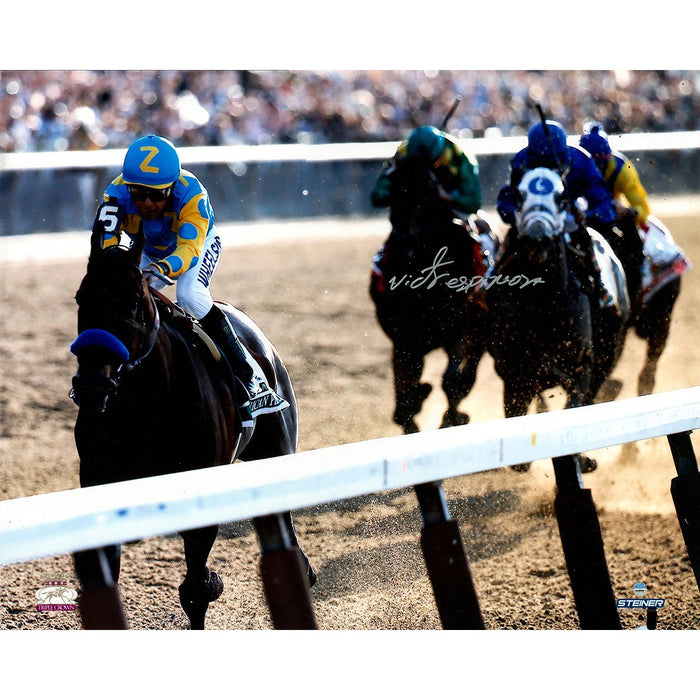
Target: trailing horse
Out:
[155,398]
[664,263]
[544,332]
[422,286]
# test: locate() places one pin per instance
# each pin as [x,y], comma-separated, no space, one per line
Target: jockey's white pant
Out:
[192,290]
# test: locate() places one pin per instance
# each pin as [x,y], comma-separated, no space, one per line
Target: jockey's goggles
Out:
[139,193]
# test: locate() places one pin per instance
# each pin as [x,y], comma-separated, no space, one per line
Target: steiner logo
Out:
[641,602]
[640,589]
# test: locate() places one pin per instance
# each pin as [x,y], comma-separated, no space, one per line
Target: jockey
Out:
[153,195]
[457,175]
[618,171]
[547,148]
[623,183]
[457,172]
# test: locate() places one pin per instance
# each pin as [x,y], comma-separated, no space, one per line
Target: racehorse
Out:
[155,398]
[421,288]
[543,330]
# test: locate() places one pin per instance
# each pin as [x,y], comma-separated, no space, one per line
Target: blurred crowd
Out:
[84,110]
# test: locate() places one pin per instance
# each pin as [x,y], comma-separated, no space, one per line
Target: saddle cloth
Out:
[664,260]
[612,276]
[262,398]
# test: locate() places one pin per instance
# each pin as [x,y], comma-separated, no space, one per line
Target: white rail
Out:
[68,521]
[42,160]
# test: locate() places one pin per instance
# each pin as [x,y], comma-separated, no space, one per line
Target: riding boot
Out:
[591,283]
[258,394]
[632,258]
[628,245]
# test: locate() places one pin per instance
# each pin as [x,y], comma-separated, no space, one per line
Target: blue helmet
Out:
[151,161]
[425,142]
[595,141]
[547,147]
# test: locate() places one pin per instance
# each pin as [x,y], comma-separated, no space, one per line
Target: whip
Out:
[453,109]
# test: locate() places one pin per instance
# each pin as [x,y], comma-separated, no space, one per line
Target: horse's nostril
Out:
[538,230]
[92,393]
[74,395]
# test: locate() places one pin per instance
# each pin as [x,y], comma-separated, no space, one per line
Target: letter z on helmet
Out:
[151,161]
[546,147]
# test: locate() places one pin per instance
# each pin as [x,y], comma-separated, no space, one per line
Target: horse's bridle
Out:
[145,328]
[144,337]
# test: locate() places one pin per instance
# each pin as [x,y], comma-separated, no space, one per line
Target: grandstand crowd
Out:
[84,109]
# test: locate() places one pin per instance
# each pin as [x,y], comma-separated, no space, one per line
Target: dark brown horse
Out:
[154,399]
[544,330]
[422,285]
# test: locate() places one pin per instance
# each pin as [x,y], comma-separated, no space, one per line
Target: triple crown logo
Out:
[56,595]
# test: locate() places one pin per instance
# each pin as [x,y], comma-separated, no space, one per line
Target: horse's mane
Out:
[110,267]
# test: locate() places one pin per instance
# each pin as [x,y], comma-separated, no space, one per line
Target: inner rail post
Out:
[582,543]
[285,581]
[685,491]
[446,562]
[100,602]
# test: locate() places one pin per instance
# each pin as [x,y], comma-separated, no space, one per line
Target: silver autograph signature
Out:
[429,277]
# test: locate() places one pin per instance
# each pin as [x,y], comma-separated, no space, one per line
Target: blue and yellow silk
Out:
[176,238]
[622,180]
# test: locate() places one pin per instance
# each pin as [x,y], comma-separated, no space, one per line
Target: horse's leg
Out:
[201,586]
[581,393]
[410,392]
[310,571]
[516,401]
[656,337]
[656,342]
[610,332]
[653,325]
[458,380]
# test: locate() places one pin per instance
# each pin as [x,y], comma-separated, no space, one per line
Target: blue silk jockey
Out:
[153,195]
[547,148]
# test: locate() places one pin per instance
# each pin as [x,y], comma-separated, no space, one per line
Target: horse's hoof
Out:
[423,391]
[454,418]
[410,406]
[215,586]
[609,390]
[196,596]
[588,464]
[410,427]
[629,451]
[523,467]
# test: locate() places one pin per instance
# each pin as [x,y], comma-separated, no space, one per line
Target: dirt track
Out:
[311,298]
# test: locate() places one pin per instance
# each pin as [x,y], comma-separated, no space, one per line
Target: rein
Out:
[144,337]
[148,336]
